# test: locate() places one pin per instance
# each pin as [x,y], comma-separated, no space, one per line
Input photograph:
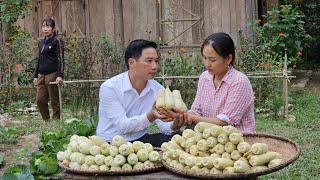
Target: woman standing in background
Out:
[50,67]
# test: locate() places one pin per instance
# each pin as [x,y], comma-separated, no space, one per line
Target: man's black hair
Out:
[135,48]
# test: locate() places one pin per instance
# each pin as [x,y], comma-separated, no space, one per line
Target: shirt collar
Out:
[126,82]
[127,86]
[49,39]
[227,77]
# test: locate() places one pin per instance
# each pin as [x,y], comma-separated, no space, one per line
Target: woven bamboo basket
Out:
[289,150]
[156,168]
[98,173]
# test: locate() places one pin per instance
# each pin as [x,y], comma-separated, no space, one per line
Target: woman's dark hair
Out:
[49,22]
[134,49]
[222,43]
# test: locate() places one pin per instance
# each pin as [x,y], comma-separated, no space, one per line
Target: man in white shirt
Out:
[126,101]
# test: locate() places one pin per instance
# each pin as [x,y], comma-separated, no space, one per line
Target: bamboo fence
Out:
[268,74]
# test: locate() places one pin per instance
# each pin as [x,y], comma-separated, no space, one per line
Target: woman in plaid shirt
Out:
[224,95]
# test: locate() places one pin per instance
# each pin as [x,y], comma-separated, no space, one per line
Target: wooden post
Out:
[202,30]
[87,20]
[158,19]
[9,82]
[60,101]
[285,85]
[196,9]
[118,23]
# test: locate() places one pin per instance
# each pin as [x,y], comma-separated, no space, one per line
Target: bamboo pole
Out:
[168,77]
[285,85]
[81,81]
[179,20]
[266,73]
[60,101]
[284,76]
[9,82]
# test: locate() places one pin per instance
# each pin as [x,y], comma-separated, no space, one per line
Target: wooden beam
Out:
[118,23]
[158,19]
[195,8]
[53,0]
[87,18]
[201,26]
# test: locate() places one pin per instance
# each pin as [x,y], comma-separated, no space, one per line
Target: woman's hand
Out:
[186,116]
[178,122]
[59,81]
[35,82]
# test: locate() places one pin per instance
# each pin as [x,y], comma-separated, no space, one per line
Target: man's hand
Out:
[35,82]
[178,117]
[59,81]
[158,114]
[169,114]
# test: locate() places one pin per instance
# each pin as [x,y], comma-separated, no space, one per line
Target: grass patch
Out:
[35,125]
[304,131]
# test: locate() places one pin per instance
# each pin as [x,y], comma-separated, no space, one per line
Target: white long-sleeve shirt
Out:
[122,111]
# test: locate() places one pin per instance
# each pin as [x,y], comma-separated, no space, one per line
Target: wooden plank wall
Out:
[179,10]
[139,19]
[229,16]
[125,20]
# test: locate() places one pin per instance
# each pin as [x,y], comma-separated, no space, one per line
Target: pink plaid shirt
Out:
[232,101]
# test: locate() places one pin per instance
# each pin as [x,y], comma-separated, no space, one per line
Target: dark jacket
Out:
[51,57]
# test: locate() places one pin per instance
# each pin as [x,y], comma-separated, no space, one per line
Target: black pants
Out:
[155,139]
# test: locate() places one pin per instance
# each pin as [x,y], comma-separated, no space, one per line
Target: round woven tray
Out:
[157,167]
[97,173]
[290,152]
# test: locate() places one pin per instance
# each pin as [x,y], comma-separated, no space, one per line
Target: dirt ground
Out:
[19,151]
[314,82]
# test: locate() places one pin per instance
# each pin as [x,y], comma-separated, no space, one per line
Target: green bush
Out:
[11,10]
[283,32]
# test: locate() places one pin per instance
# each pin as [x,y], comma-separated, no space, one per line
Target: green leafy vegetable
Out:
[42,163]
[18,172]
[81,128]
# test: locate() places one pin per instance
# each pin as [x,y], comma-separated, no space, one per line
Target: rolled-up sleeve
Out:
[113,110]
[239,100]
[165,127]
